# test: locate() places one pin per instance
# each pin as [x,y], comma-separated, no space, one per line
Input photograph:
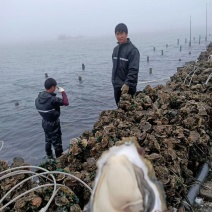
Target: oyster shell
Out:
[127,181]
[75,208]
[36,201]
[61,200]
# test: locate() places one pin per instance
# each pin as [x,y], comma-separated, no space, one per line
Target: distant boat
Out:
[67,37]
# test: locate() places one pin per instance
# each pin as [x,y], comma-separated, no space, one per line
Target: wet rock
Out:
[205,191]
[75,208]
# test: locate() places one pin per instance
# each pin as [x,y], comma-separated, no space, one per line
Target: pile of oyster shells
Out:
[173,124]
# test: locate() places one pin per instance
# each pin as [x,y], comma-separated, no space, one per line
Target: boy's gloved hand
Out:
[124,89]
[60,89]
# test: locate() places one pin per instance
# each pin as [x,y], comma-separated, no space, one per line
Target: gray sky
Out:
[45,19]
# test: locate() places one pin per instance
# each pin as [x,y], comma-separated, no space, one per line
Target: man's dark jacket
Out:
[126,58]
[48,106]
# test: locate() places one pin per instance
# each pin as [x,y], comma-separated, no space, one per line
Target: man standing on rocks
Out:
[48,106]
[126,58]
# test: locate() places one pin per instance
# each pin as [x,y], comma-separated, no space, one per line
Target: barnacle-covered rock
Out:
[20,205]
[75,208]
[61,200]
[3,166]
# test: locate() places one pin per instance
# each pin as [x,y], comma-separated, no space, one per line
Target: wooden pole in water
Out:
[185,40]
[199,38]
[190,32]
[150,70]
[206,37]
[161,52]
[147,59]
[178,41]
[180,48]
[154,48]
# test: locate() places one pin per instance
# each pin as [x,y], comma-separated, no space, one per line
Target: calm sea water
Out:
[22,70]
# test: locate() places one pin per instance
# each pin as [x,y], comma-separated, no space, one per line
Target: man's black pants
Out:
[53,137]
[117,93]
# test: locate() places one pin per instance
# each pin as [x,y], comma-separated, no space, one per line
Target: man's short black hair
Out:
[121,28]
[49,83]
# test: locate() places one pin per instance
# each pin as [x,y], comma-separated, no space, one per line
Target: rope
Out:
[26,192]
[46,172]
[209,77]
[37,167]
[145,82]
[35,175]
[193,71]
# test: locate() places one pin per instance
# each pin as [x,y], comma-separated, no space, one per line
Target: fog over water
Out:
[27,20]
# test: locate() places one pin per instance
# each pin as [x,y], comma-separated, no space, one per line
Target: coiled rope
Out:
[16,171]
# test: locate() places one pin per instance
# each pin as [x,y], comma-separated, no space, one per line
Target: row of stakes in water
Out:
[178,42]
[79,78]
[150,70]
[162,53]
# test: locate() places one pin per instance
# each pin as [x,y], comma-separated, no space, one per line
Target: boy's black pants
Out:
[53,137]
